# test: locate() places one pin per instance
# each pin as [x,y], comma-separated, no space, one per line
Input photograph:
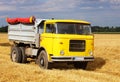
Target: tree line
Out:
[4,29]
[105,29]
[94,29]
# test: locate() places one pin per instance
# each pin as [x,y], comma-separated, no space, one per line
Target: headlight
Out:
[91,53]
[62,52]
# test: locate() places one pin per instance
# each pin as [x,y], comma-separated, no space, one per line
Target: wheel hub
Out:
[14,56]
[42,61]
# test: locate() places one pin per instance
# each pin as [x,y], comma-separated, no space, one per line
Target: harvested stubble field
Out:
[105,68]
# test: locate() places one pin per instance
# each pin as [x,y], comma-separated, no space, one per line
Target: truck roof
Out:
[64,20]
[33,20]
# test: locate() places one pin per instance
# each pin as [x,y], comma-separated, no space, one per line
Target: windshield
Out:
[73,28]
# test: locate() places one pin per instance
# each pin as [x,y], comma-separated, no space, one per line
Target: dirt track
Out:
[105,68]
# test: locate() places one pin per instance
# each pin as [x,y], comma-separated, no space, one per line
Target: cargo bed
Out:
[21,32]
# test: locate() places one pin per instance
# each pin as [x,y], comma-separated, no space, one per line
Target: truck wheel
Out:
[24,57]
[43,61]
[80,65]
[16,55]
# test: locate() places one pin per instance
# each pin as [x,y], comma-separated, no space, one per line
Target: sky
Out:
[98,12]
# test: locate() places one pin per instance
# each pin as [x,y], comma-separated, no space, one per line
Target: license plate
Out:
[79,59]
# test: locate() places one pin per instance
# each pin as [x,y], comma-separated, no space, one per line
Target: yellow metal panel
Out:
[54,43]
[46,41]
[75,21]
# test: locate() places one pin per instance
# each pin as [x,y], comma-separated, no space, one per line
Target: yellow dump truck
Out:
[52,40]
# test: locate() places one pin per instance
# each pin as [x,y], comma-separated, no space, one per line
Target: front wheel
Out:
[43,60]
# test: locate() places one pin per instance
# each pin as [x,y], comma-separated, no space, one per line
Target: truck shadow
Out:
[96,64]
[5,44]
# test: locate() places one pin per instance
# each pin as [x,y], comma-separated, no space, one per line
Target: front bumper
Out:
[63,58]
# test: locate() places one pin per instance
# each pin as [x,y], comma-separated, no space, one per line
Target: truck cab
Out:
[67,41]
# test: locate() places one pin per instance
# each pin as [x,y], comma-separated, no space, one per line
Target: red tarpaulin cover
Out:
[12,20]
[29,20]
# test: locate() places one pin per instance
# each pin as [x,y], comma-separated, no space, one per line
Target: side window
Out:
[41,27]
[50,28]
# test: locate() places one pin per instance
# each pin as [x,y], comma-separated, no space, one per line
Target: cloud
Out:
[62,5]
[115,4]
[87,8]
[91,8]
[103,1]
[76,9]
[59,5]
[14,5]
[14,2]
[19,1]
[52,6]
[3,16]
[117,7]
[115,1]
[7,8]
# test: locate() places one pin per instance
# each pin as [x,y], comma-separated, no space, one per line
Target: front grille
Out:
[77,45]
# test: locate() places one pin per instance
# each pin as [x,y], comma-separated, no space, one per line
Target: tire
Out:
[80,65]
[16,55]
[24,57]
[43,60]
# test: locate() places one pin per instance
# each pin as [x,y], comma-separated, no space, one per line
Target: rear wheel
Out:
[43,60]
[80,65]
[16,55]
[24,57]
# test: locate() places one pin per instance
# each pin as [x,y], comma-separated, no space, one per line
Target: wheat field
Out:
[105,68]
